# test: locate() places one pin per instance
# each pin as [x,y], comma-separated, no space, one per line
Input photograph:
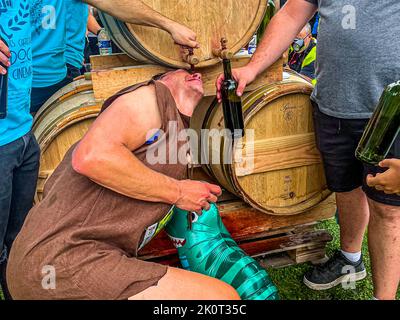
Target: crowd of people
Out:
[95,213]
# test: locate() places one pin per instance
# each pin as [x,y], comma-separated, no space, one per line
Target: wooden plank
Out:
[107,82]
[112,61]
[244,222]
[285,243]
[263,247]
[278,154]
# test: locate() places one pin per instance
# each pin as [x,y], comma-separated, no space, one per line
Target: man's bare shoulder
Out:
[143,97]
[140,106]
[129,119]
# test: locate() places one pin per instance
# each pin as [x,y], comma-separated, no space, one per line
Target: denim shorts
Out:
[337,140]
[19,167]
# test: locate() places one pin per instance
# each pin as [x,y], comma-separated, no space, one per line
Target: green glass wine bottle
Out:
[267,18]
[231,103]
[382,129]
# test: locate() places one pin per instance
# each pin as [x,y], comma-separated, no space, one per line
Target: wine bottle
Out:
[231,103]
[267,18]
[3,92]
[383,128]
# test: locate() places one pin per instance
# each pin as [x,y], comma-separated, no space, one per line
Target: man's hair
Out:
[159,76]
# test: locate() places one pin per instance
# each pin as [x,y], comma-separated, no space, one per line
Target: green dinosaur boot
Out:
[205,246]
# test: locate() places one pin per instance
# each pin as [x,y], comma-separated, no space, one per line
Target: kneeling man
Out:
[107,199]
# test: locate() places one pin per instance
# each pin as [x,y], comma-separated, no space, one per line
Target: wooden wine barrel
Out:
[60,123]
[280,171]
[236,20]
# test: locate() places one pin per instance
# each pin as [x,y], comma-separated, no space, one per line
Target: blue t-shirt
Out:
[15,29]
[48,21]
[77,17]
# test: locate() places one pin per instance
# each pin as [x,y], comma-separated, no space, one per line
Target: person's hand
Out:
[197,196]
[389,181]
[243,76]
[183,36]
[5,55]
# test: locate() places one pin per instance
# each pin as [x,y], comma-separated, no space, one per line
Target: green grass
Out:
[289,280]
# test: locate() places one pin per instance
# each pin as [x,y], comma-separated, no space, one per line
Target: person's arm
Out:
[137,12]
[280,33]
[105,156]
[389,181]
[5,55]
[93,26]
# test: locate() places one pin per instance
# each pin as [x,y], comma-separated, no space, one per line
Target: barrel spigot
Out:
[223,52]
[190,58]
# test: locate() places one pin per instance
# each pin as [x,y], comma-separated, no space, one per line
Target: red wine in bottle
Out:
[3,92]
[231,103]
[383,128]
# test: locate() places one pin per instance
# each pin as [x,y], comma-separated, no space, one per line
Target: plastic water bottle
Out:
[252,45]
[104,42]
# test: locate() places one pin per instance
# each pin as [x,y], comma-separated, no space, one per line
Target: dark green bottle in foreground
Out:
[231,103]
[383,127]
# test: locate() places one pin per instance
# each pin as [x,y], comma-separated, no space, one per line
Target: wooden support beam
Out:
[113,73]
[246,224]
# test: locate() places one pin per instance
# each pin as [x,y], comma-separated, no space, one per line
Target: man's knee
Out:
[227,292]
[385,212]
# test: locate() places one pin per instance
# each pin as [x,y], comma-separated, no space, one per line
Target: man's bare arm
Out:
[137,12]
[105,153]
[284,27]
[281,31]
[105,156]
[93,26]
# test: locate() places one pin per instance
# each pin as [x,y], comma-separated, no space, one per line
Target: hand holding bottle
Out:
[5,55]
[243,76]
[389,181]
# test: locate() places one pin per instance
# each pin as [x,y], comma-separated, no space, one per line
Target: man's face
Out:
[194,82]
[191,83]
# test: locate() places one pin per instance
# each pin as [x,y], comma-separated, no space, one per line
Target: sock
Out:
[373,298]
[353,257]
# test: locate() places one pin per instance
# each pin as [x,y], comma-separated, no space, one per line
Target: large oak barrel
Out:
[61,122]
[237,20]
[280,171]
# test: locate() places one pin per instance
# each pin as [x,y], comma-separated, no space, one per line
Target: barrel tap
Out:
[223,52]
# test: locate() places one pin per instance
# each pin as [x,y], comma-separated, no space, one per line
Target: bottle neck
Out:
[227,69]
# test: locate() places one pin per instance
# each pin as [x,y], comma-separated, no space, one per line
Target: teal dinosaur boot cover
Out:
[205,246]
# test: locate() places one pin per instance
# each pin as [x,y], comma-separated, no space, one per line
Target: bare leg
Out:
[179,284]
[353,216]
[384,248]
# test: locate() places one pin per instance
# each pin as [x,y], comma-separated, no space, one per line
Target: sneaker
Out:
[334,272]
